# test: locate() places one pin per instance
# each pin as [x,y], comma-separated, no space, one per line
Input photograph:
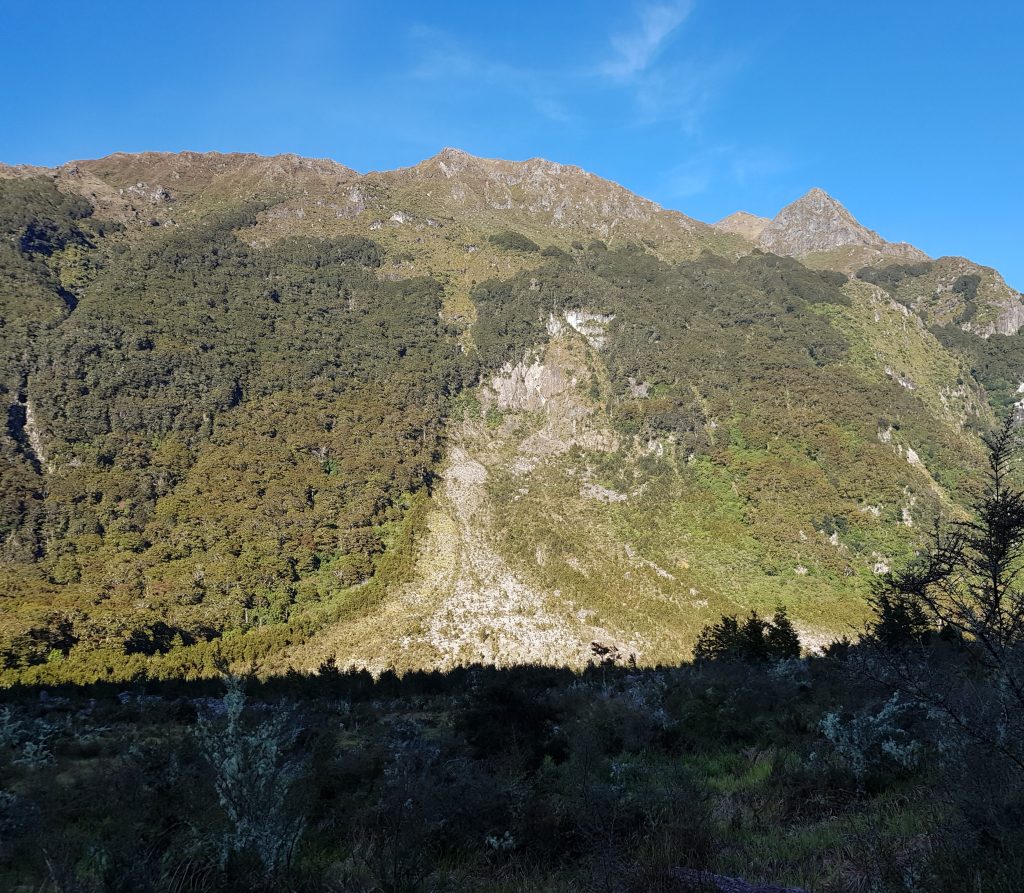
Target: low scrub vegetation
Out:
[801,772]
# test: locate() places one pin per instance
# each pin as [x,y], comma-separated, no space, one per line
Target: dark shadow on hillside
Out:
[352,685]
[522,777]
[696,777]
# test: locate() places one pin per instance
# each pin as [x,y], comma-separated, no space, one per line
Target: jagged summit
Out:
[536,194]
[538,184]
[816,222]
[454,158]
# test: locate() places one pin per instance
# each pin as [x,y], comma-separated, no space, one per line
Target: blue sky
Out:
[910,113]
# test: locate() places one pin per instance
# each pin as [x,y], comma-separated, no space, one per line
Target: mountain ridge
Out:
[815,226]
[467,410]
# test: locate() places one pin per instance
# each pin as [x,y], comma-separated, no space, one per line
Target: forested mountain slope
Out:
[272,410]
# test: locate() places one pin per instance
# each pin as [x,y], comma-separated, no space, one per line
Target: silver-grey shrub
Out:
[255,771]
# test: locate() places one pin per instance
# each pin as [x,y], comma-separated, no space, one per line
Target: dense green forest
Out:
[215,449]
[232,437]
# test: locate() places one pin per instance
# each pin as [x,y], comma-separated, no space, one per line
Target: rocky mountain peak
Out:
[743,223]
[533,192]
[815,222]
[457,159]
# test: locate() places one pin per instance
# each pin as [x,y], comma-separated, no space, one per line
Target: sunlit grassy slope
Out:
[272,411]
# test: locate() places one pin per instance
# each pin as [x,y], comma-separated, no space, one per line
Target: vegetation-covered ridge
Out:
[473,410]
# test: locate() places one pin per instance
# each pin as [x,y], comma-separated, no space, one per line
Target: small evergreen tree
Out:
[781,637]
[755,639]
[962,603]
[719,640]
[967,583]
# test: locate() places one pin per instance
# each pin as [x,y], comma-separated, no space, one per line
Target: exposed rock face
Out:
[35,438]
[592,326]
[489,613]
[750,226]
[815,222]
[549,386]
[154,194]
[1010,319]
[529,388]
[558,194]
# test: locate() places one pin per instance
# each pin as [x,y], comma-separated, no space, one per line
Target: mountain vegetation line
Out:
[684,556]
[233,383]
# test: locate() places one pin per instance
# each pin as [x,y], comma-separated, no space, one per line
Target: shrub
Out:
[755,639]
[254,773]
[870,743]
[554,251]
[510,240]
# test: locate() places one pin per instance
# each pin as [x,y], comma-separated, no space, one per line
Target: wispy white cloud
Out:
[554,110]
[636,49]
[439,57]
[643,74]
[442,60]
[722,166]
[668,79]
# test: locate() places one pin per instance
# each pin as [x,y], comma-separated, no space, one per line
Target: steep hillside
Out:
[272,410]
[953,291]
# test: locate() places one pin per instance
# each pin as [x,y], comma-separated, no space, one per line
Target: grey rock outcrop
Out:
[815,222]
